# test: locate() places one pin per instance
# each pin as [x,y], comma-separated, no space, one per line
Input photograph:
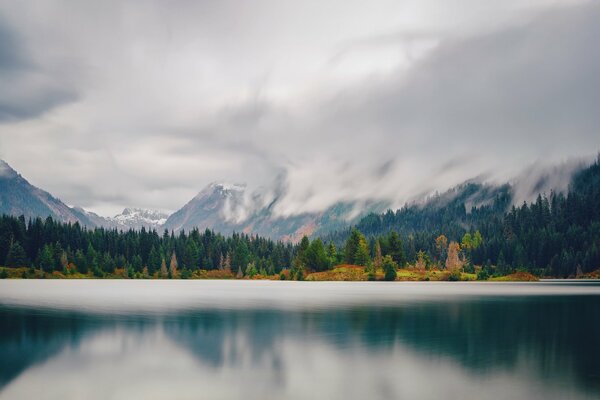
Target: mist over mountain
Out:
[228,208]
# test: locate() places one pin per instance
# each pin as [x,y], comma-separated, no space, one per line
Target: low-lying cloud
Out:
[158,101]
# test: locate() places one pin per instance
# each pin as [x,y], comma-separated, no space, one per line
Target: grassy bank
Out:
[338,273]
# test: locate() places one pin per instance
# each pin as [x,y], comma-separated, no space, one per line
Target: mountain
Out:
[136,218]
[19,197]
[226,208]
[471,204]
[208,209]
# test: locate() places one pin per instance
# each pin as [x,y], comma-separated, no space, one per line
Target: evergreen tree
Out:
[316,257]
[46,259]
[16,256]
[361,255]
[352,245]
[395,249]
[191,258]
[241,254]
[332,254]
[80,262]
[303,249]
[154,260]
[389,268]
[163,269]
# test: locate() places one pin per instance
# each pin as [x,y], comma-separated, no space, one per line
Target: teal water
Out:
[102,339]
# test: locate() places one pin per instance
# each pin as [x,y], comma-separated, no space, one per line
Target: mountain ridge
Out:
[230,207]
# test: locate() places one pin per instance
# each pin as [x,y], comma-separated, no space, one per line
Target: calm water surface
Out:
[101,339]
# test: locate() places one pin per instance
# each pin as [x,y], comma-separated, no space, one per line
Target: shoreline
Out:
[340,273]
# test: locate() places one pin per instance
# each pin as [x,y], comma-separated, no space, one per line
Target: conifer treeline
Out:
[52,245]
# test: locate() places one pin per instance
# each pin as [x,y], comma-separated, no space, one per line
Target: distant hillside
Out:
[19,197]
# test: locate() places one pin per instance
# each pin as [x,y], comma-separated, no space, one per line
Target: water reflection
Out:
[497,347]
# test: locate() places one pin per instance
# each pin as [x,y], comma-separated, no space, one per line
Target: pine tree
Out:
[332,254]
[153,260]
[45,259]
[316,257]
[389,268]
[361,255]
[163,269]
[80,262]
[191,257]
[303,250]
[395,249]
[227,265]
[16,256]
[352,246]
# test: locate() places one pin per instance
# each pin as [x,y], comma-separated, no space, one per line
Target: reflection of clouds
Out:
[122,364]
[300,340]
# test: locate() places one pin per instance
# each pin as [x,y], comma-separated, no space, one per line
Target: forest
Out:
[557,235]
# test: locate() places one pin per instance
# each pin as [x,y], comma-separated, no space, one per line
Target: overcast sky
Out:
[114,104]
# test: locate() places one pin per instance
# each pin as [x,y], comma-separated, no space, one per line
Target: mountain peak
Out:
[6,171]
[228,187]
[137,217]
[221,188]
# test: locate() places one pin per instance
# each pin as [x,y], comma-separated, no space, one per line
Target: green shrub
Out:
[483,274]
[454,276]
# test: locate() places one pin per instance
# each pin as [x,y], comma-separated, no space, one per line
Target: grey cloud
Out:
[167,99]
[487,103]
[11,57]
[28,90]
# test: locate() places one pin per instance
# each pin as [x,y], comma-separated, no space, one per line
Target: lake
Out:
[161,339]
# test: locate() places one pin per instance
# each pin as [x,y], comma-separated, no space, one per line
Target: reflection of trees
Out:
[28,337]
[555,336]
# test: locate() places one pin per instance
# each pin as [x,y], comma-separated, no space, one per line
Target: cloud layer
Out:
[118,104]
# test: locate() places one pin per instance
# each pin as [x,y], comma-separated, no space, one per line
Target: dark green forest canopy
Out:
[46,241]
[556,235]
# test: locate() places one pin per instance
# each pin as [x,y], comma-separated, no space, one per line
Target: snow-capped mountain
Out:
[136,218]
[19,197]
[227,208]
[130,218]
